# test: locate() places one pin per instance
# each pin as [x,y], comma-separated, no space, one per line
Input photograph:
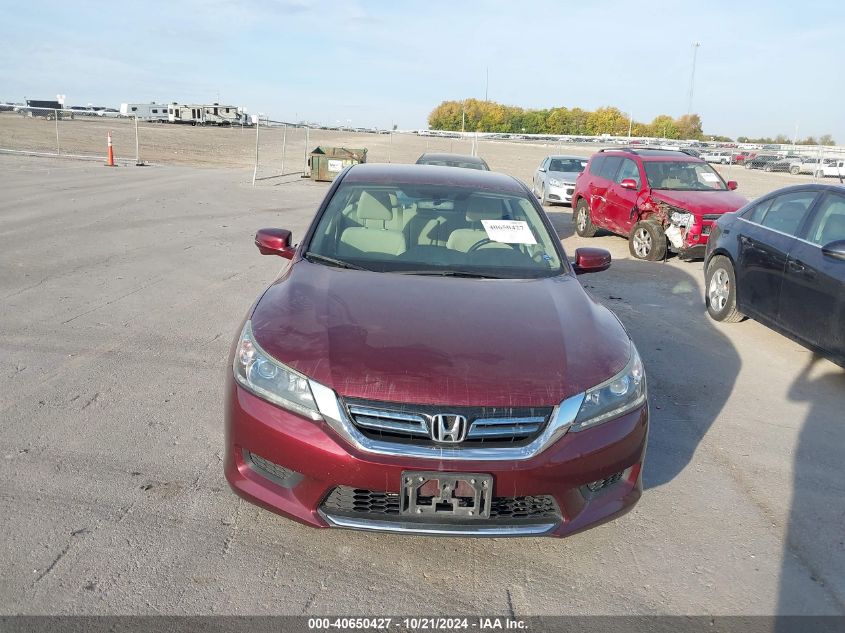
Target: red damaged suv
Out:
[428,362]
[658,199]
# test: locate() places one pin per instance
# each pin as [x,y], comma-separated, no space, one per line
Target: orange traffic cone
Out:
[110,157]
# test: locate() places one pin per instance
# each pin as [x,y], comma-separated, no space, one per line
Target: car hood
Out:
[440,340]
[566,176]
[701,202]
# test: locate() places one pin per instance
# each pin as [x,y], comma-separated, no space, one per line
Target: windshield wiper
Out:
[316,257]
[448,273]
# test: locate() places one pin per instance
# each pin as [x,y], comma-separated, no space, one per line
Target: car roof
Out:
[567,156]
[465,158]
[809,186]
[394,174]
[651,154]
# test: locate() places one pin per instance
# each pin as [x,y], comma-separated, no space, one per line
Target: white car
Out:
[834,168]
[554,180]
[722,158]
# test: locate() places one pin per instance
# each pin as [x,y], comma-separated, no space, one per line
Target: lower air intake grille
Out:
[375,504]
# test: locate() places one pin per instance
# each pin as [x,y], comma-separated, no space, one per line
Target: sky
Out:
[763,68]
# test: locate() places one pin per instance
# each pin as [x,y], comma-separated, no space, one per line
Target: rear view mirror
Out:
[835,249]
[274,242]
[628,183]
[591,260]
[732,184]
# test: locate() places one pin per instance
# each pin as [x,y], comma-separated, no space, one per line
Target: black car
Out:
[781,260]
[761,160]
[453,160]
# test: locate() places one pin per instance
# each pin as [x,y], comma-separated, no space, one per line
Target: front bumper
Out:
[560,194]
[308,460]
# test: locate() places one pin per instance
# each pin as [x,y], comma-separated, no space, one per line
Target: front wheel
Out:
[720,295]
[748,165]
[819,174]
[583,223]
[795,170]
[647,241]
[769,168]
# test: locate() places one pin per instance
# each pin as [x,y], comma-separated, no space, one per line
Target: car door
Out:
[600,182]
[765,239]
[621,202]
[812,298]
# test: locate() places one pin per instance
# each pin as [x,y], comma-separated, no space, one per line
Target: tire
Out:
[795,170]
[768,168]
[720,291]
[819,174]
[583,225]
[748,166]
[543,199]
[647,241]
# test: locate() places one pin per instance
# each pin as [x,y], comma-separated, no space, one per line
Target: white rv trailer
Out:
[145,111]
[202,114]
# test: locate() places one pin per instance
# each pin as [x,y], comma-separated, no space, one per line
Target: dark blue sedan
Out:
[781,260]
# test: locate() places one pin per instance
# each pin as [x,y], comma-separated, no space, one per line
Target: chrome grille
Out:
[411,423]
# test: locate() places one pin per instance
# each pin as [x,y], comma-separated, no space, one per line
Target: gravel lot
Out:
[121,292]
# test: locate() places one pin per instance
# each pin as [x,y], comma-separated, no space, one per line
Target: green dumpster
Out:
[325,163]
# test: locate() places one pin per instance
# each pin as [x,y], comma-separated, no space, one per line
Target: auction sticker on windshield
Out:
[509,231]
[710,177]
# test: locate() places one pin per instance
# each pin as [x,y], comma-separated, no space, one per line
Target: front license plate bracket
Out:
[446,495]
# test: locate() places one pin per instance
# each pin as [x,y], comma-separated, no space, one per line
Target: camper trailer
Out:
[145,111]
[200,114]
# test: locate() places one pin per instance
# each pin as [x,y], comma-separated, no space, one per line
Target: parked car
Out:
[784,163]
[809,165]
[659,199]
[760,161]
[427,362]
[554,179]
[833,168]
[739,158]
[453,160]
[781,261]
[720,157]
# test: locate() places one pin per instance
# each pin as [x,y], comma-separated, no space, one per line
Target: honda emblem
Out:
[447,428]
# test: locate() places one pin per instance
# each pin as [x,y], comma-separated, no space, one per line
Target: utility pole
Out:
[487,83]
[695,47]
[630,124]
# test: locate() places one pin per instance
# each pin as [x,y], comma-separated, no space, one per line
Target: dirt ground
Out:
[121,292]
[163,143]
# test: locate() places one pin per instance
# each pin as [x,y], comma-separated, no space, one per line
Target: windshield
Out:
[434,229]
[567,164]
[683,176]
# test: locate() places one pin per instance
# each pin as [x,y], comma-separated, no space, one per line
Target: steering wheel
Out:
[487,240]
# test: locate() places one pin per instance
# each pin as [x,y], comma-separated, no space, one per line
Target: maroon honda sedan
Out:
[428,363]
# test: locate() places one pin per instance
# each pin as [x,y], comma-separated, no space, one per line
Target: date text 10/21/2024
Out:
[417,623]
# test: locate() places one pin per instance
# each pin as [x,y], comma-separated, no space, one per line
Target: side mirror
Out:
[732,184]
[628,183]
[274,242]
[591,260]
[543,169]
[835,249]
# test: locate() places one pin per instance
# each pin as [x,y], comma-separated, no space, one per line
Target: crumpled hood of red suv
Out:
[440,340]
[701,202]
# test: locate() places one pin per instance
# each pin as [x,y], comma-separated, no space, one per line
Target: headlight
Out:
[554,182]
[258,372]
[622,393]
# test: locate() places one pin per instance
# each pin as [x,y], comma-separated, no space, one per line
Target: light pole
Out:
[695,47]
[630,124]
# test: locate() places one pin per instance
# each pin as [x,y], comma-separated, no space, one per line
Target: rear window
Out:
[596,165]
[610,167]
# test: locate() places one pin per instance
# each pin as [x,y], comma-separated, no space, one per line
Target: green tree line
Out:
[474,115]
